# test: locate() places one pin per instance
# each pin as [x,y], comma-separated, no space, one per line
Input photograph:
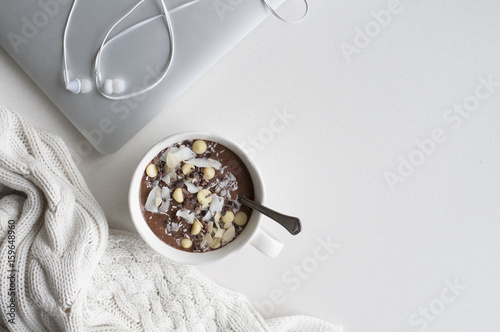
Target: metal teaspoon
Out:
[291,224]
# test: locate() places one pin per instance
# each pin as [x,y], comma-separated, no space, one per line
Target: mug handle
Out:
[267,242]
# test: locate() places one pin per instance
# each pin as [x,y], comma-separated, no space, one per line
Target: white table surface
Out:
[421,257]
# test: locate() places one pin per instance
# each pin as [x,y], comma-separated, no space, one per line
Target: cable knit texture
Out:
[68,275]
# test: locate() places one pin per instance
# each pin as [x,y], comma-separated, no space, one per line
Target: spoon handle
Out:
[292,224]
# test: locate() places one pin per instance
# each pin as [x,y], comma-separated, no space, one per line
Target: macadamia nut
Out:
[228,217]
[209,173]
[152,171]
[196,228]
[186,243]
[199,146]
[178,195]
[240,218]
[204,196]
[187,169]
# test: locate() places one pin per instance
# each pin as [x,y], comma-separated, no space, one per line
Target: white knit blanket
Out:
[60,271]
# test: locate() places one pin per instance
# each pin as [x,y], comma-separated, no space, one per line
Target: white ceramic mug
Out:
[254,233]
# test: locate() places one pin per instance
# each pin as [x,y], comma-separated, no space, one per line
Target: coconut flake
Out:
[175,157]
[173,176]
[208,216]
[185,154]
[217,217]
[166,179]
[165,196]
[173,149]
[223,184]
[173,160]
[208,238]
[151,200]
[186,214]
[217,204]
[204,162]
[193,189]
[172,227]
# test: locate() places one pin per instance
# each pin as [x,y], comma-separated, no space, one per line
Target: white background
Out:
[398,251]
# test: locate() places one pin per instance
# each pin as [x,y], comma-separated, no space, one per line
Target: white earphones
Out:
[112,88]
[78,86]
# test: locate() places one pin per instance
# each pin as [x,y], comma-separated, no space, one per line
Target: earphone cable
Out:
[65,57]
[273,11]
[105,42]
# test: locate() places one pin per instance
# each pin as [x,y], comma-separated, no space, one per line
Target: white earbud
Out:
[118,85]
[115,86]
[79,86]
[86,86]
[108,86]
[75,86]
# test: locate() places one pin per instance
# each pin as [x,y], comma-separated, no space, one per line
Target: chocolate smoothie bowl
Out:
[183,199]
[189,195]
